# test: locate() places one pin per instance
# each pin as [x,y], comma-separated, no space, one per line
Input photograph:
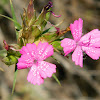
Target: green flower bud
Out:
[10,60]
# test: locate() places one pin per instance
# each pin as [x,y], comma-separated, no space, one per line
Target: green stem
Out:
[15,75]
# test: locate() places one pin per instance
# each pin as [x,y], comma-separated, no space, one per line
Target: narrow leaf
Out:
[56,79]
[14,18]
[12,10]
[14,82]
[18,25]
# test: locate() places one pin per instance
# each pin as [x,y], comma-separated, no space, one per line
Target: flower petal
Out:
[32,49]
[21,65]
[25,61]
[92,38]
[95,42]
[29,49]
[93,52]
[94,33]
[77,56]
[95,38]
[76,29]
[34,76]
[68,45]
[46,69]
[24,50]
[44,50]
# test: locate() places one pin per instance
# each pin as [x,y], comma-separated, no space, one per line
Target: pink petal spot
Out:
[76,29]
[68,45]
[77,56]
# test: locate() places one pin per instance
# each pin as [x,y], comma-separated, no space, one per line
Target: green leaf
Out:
[3,53]
[56,79]
[14,82]
[14,18]
[12,10]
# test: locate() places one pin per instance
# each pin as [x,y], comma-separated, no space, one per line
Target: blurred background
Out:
[77,83]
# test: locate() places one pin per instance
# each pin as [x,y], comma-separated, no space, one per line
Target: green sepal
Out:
[45,20]
[57,45]
[14,53]
[40,23]
[42,19]
[11,57]
[50,36]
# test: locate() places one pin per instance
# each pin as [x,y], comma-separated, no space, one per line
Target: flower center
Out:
[85,43]
[35,61]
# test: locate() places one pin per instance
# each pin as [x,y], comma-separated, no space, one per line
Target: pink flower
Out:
[89,43]
[32,57]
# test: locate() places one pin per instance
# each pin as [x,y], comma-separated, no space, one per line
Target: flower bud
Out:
[33,26]
[30,10]
[10,60]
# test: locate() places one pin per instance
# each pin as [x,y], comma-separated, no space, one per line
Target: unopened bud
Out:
[30,10]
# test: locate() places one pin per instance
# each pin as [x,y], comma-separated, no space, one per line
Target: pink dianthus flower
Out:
[89,43]
[32,57]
